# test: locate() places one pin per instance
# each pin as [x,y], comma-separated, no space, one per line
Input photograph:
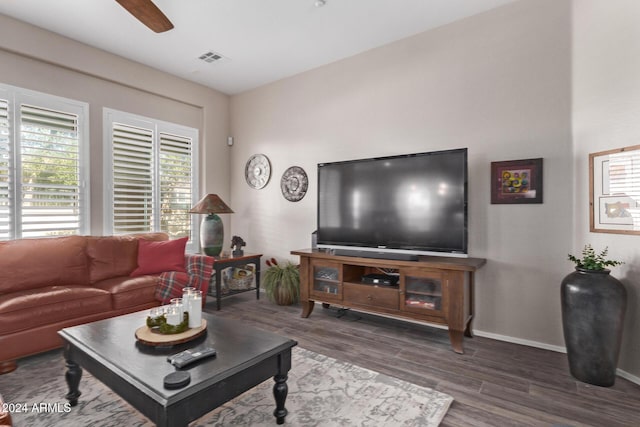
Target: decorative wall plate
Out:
[257,171]
[294,183]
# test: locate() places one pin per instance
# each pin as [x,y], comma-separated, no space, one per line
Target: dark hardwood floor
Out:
[494,383]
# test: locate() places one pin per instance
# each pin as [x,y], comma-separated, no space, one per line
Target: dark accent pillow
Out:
[158,257]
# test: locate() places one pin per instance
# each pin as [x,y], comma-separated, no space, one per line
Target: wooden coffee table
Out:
[245,357]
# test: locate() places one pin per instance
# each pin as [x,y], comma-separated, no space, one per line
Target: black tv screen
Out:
[415,203]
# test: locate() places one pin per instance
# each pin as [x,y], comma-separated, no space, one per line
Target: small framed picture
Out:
[516,181]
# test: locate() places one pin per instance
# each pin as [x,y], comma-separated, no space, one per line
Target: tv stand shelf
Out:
[432,289]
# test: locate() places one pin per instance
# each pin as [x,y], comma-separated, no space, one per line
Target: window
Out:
[43,165]
[151,176]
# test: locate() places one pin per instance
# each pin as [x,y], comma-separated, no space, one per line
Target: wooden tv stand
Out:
[432,290]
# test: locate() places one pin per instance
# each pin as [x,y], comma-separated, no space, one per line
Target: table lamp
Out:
[211,229]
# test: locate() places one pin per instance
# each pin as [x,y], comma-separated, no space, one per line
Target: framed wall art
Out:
[614,191]
[516,181]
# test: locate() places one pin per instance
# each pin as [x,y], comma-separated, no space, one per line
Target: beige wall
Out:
[498,83]
[606,111]
[39,60]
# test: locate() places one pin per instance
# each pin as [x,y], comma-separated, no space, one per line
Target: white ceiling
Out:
[262,40]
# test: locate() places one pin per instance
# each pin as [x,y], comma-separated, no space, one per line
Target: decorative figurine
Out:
[236,244]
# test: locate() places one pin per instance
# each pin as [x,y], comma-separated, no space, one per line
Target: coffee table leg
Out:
[73,375]
[280,390]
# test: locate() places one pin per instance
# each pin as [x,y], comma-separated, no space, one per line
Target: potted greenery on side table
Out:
[282,283]
[593,308]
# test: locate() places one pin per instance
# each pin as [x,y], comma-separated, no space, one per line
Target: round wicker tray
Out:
[148,336]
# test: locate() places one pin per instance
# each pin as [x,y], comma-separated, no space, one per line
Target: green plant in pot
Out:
[593,261]
[593,308]
[282,282]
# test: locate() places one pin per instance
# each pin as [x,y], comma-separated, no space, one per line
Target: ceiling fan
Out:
[147,13]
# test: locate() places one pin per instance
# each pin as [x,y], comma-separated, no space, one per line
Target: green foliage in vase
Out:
[594,261]
[282,283]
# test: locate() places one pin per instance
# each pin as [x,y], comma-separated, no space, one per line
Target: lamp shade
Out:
[211,229]
[211,203]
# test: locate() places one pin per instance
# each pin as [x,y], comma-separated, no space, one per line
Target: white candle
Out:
[186,295]
[177,302]
[173,316]
[195,309]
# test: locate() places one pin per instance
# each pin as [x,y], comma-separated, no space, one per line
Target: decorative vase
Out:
[593,307]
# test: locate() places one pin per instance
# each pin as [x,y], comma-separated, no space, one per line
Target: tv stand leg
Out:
[307,308]
[456,338]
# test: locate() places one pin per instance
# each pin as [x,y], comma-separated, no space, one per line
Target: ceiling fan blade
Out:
[147,13]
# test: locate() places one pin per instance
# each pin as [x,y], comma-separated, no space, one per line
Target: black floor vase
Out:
[593,307]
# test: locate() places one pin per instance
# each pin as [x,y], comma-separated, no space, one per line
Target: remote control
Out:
[187,357]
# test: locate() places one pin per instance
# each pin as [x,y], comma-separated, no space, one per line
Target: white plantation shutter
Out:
[132,179]
[43,165]
[5,172]
[50,172]
[176,193]
[151,175]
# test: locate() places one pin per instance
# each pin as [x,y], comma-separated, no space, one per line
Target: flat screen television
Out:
[411,204]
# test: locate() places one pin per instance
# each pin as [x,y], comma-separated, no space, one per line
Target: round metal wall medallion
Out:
[294,183]
[257,171]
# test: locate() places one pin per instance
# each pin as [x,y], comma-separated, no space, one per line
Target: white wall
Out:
[39,60]
[497,83]
[606,115]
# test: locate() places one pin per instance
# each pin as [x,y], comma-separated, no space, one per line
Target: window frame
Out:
[16,97]
[111,116]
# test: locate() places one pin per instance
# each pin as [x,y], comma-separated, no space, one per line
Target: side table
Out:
[223,262]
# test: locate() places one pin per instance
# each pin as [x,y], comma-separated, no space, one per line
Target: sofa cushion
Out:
[35,307]
[114,256]
[36,263]
[129,291]
[158,257]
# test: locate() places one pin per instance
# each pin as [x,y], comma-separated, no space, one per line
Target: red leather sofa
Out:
[53,283]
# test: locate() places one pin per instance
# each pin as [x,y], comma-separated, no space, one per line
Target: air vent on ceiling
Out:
[211,57]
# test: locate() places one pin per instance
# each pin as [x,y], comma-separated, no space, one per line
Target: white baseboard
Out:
[627,376]
[557,348]
[514,340]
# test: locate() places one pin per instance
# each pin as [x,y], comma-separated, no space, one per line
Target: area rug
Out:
[322,392]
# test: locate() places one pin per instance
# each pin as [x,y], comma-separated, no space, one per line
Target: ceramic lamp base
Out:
[211,235]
